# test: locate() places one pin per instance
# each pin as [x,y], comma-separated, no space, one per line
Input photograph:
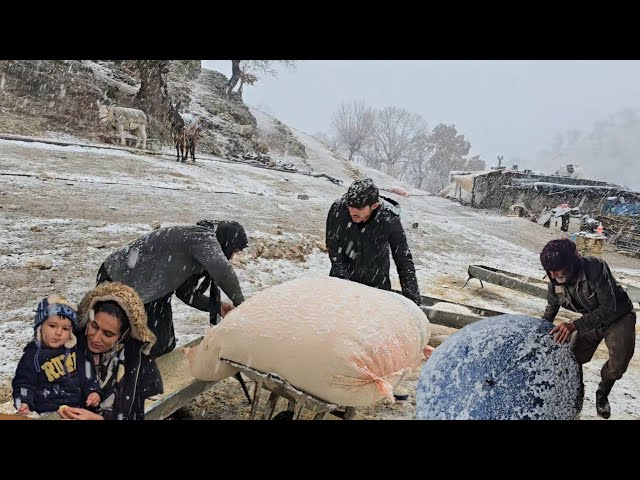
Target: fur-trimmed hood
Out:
[128,300]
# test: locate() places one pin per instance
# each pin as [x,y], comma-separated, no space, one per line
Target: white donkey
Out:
[125,119]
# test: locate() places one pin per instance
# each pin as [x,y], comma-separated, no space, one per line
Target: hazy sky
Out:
[510,108]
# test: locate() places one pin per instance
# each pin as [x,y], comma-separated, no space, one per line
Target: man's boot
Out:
[602,399]
[400,394]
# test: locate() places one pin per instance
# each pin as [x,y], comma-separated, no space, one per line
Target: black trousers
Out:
[160,321]
[620,339]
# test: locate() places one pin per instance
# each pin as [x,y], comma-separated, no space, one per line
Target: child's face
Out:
[55,331]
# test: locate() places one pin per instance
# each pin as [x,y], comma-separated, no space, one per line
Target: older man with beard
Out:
[586,285]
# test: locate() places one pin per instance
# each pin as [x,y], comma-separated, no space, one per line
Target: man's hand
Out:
[93,399]
[562,333]
[24,409]
[428,350]
[225,308]
[73,413]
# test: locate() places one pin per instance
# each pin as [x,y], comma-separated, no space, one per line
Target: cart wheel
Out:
[284,415]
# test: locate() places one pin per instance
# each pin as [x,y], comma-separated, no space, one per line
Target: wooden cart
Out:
[297,400]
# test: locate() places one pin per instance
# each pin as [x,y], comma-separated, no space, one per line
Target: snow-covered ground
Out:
[81,203]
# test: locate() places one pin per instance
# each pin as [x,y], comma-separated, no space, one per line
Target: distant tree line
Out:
[609,151]
[400,144]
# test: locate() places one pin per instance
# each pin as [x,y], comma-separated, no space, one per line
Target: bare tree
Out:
[371,155]
[353,124]
[450,149]
[153,97]
[396,130]
[250,71]
[246,77]
[235,76]
[475,163]
[417,169]
[262,68]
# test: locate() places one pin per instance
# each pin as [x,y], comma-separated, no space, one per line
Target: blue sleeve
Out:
[25,380]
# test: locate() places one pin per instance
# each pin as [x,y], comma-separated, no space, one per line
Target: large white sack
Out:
[340,341]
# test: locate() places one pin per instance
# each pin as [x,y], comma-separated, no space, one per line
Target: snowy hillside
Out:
[65,208]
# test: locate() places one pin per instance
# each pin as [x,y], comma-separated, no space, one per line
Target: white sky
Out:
[504,107]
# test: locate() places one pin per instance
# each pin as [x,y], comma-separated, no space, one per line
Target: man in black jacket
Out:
[586,285]
[185,261]
[361,228]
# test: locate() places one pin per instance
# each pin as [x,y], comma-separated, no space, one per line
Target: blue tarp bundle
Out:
[618,208]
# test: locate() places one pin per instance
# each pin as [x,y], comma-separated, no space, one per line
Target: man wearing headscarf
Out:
[183,260]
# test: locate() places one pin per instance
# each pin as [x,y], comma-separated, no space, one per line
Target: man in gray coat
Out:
[185,261]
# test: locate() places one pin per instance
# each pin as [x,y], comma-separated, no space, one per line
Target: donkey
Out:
[185,131]
[122,119]
[192,130]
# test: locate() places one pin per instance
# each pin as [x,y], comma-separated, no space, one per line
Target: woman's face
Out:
[103,332]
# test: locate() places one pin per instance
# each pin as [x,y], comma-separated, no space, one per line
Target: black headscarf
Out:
[231,235]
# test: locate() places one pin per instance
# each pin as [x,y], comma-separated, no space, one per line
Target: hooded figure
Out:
[185,261]
[117,339]
[51,372]
[230,235]
[587,286]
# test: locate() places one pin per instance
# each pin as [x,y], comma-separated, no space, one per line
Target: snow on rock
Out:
[41,263]
[451,307]
[501,368]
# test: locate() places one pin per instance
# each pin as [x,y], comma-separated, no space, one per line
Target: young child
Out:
[51,373]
